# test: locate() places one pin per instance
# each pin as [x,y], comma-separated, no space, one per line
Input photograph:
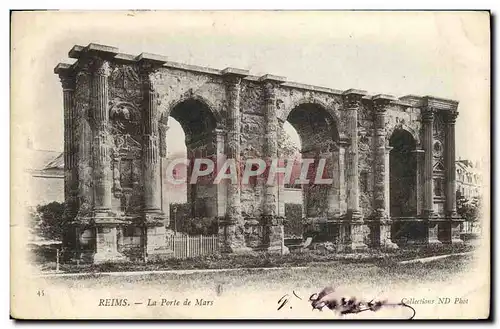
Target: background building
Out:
[469,179]
[46,176]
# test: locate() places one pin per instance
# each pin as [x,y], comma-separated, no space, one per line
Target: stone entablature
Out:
[116,109]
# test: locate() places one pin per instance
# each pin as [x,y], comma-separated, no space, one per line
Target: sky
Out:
[442,54]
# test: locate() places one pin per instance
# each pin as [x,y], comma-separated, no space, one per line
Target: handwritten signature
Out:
[330,299]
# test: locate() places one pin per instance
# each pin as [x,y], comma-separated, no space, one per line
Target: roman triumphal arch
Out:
[389,162]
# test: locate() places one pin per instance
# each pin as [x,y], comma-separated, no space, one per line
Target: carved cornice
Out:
[100,67]
[428,116]
[149,64]
[66,75]
[352,98]
[441,104]
[270,83]
[450,117]
[381,101]
[233,76]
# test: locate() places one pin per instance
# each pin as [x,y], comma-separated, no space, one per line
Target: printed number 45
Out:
[40,293]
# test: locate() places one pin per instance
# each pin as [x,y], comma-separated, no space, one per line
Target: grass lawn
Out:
[348,273]
[306,258]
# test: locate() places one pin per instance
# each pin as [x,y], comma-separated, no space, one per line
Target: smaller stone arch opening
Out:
[196,212]
[404,189]
[319,139]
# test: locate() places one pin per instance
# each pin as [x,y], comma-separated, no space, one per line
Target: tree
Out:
[468,209]
[49,220]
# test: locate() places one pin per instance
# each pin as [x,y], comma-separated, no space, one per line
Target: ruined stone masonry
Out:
[392,160]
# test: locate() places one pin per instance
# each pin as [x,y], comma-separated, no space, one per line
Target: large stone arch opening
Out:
[403,188]
[403,174]
[199,125]
[319,139]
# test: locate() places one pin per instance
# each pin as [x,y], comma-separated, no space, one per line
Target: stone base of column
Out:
[433,233]
[353,215]
[232,237]
[381,231]
[385,237]
[356,241]
[107,245]
[275,235]
[449,232]
[156,247]
[156,233]
[455,233]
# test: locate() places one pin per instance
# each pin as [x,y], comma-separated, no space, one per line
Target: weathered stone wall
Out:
[366,153]
[176,85]
[126,116]
[253,142]
[83,137]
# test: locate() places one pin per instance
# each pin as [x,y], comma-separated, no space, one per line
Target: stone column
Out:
[451,202]
[70,238]
[452,226]
[154,218]
[232,229]
[428,122]
[150,143]
[419,159]
[387,180]
[428,204]
[102,177]
[381,187]
[334,190]
[273,219]
[165,204]
[68,81]
[342,185]
[105,221]
[220,134]
[352,103]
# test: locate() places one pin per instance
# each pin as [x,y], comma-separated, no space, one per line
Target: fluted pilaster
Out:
[352,103]
[231,230]
[381,184]
[271,146]
[233,145]
[451,202]
[428,122]
[68,81]
[101,151]
[151,142]
[380,160]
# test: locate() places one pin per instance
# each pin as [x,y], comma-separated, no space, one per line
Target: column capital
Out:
[99,66]
[163,126]
[381,101]
[233,75]
[450,117]
[149,63]
[270,83]
[220,131]
[344,141]
[352,98]
[66,75]
[427,115]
